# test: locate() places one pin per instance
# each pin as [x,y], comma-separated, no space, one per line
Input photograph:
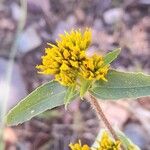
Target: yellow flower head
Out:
[78,146]
[64,59]
[93,69]
[75,40]
[107,143]
[67,59]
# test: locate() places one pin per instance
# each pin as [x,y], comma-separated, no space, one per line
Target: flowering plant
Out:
[78,75]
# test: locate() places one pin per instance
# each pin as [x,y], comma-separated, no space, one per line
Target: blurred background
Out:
[24,33]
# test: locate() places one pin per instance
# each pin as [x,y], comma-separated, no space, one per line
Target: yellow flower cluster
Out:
[92,69]
[67,59]
[78,146]
[106,143]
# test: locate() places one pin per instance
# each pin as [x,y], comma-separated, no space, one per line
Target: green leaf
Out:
[85,85]
[122,85]
[126,142]
[111,56]
[71,91]
[45,97]
[49,114]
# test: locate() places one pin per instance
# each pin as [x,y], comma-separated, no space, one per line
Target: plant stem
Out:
[101,115]
[96,106]
[8,76]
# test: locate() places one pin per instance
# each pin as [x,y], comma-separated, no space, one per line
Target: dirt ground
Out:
[114,23]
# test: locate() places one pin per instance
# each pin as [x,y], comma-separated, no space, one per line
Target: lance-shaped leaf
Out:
[122,85]
[111,56]
[45,97]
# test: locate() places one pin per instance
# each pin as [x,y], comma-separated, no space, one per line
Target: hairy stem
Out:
[101,115]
